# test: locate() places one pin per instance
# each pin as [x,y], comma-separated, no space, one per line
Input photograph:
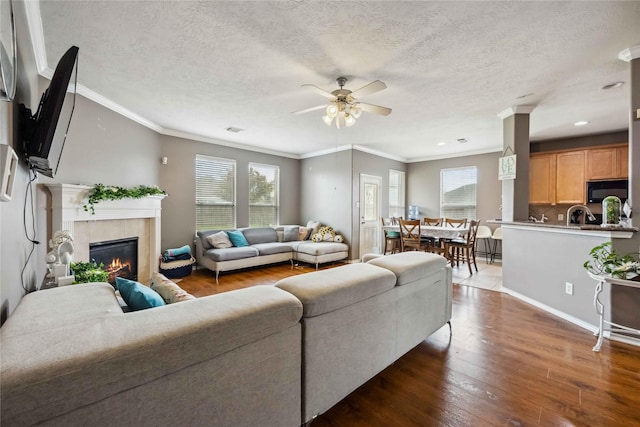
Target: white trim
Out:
[631,53]
[379,153]
[578,322]
[496,149]
[34,22]
[516,109]
[325,152]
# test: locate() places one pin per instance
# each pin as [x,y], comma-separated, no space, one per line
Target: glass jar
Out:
[611,208]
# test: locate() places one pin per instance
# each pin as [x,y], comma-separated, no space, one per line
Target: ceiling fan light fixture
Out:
[327,120]
[349,120]
[332,110]
[356,111]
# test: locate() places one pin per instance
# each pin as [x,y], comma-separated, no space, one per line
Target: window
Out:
[264,189]
[215,193]
[396,193]
[458,192]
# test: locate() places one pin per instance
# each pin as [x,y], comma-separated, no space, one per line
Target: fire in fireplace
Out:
[120,257]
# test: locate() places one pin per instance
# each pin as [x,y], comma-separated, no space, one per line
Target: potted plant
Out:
[606,262]
[101,192]
[86,272]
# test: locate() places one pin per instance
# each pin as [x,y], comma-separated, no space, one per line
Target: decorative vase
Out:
[611,208]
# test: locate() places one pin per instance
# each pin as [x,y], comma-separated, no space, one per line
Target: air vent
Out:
[234,129]
[462,140]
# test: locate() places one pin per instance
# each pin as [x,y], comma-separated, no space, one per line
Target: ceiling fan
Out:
[344,106]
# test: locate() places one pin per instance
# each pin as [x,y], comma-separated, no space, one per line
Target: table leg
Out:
[600,310]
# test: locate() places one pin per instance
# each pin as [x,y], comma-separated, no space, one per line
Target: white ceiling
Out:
[196,68]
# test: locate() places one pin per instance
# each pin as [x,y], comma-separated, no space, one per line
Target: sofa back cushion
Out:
[260,235]
[203,234]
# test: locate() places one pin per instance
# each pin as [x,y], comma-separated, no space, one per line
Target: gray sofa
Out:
[265,355]
[266,246]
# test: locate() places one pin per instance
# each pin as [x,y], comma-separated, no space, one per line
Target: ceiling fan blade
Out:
[375,109]
[372,87]
[306,110]
[320,91]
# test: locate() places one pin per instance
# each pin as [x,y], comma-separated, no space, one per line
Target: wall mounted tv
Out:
[44,133]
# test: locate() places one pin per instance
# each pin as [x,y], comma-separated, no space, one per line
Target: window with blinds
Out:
[264,189]
[215,193]
[458,188]
[396,193]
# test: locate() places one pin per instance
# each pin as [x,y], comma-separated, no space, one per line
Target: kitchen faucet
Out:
[586,210]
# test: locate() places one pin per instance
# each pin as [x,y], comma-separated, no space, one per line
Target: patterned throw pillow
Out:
[219,240]
[168,290]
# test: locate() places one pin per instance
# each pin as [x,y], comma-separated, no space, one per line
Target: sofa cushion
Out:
[303,233]
[230,254]
[138,296]
[329,290]
[321,248]
[168,290]
[410,266]
[203,234]
[219,240]
[260,235]
[291,233]
[272,248]
[314,226]
[237,238]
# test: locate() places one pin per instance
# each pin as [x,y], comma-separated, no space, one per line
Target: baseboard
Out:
[578,322]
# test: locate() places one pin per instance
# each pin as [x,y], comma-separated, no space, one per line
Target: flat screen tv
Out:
[44,133]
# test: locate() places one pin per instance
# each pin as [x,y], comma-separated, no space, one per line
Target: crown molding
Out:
[516,109]
[325,151]
[454,155]
[34,22]
[631,53]
[379,153]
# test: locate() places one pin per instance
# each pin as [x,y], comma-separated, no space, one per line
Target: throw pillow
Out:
[237,238]
[138,296]
[291,233]
[168,290]
[314,226]
[303,233]
[219,240]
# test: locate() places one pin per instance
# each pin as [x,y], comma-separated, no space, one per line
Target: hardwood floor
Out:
[507,363]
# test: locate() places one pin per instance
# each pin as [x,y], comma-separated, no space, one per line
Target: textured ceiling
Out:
[197,68]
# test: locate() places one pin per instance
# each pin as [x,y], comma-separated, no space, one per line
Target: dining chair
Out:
[435,244]
[434,222]
[463,249]
[456,223]
[410,236]
[391,237]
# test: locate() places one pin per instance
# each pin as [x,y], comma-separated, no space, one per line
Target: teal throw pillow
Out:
[138,296]
[237,238]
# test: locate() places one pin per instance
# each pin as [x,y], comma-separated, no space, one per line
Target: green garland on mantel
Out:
[100,193]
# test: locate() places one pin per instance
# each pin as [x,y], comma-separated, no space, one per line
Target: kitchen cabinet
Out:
[542,179]
[608,162]
[570,177]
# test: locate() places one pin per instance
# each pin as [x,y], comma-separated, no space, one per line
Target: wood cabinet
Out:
[570,177]
[608,162]
[542,179]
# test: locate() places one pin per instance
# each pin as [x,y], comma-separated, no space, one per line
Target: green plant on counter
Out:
[86,272]
[606,262]
[101,192]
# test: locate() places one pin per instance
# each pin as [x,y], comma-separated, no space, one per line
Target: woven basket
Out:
[175,269]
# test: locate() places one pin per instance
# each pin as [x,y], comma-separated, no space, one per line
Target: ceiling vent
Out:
[234,129]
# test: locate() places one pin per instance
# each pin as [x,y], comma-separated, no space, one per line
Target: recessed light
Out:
[612,85]
[442,143]
[462,140]
[581,123]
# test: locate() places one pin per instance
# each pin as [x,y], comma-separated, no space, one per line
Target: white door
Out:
[370,214]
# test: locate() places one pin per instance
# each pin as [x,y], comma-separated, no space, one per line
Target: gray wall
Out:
[423,187]
[177,178]
[326,192]
[14,247]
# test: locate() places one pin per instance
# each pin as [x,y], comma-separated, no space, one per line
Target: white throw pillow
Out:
[168,290]
[219,240]
[314,226]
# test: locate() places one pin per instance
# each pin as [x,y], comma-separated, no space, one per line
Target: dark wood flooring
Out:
[507,363]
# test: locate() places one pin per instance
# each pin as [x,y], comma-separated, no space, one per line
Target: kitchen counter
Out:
[618,232]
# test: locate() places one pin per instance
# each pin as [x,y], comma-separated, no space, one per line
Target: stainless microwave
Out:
[598,190]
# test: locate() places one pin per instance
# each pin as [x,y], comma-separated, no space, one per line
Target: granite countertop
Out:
[592,227]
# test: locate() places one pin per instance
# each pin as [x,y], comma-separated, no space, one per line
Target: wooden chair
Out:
[463,250]
[456,223]
[391,237]
[435,245]
[434,222]
[410,235]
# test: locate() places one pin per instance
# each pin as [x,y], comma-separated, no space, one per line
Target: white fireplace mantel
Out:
[67,208]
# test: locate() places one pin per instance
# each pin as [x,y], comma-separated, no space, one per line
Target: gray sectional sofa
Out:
[266,246]
[265,355]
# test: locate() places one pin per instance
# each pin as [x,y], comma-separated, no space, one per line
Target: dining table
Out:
[437,231]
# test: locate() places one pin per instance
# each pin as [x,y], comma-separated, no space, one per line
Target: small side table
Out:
[597,304]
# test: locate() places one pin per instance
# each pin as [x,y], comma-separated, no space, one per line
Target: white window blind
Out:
[264,188]
[458,192]
[215,193]
[396,193]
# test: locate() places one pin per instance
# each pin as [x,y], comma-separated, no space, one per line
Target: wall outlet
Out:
[568,288]
[560,217]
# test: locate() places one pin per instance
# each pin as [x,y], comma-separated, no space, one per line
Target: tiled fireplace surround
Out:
[116,219]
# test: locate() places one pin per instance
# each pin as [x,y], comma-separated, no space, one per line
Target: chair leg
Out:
[468,259]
